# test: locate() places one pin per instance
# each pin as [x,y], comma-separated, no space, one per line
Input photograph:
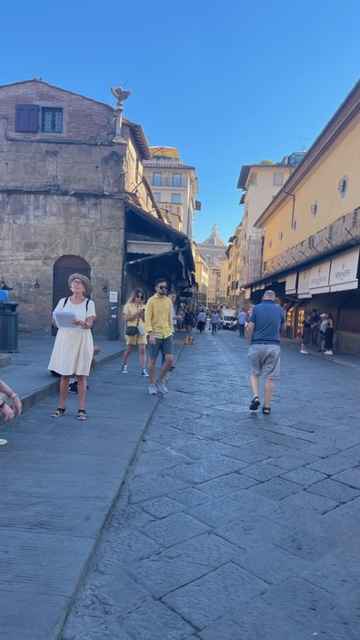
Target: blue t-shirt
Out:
[267,317]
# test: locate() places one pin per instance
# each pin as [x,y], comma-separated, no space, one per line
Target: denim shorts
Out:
[265,360]
[163,345]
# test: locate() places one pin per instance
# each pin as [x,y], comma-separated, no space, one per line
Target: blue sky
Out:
[228,82]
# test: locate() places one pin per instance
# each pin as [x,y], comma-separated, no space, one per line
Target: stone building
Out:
[214,252]
[72,193]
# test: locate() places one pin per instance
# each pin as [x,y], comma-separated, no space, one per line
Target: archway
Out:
[63,268]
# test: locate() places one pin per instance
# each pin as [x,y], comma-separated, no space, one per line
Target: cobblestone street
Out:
[233,526]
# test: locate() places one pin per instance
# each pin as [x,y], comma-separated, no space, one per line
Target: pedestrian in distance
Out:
[215,321]
[159,328]
[322,331]
[305,335]
[263,332]
[189,323]
[134,316]
[8,411]
[329,336]
[201,320]
[315,327]
[242,322]
[73,350]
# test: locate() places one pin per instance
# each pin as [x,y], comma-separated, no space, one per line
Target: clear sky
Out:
[228,82]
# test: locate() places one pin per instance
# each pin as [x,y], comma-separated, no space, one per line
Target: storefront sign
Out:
[319,278]
[304,284]
[290,283]
[344,269]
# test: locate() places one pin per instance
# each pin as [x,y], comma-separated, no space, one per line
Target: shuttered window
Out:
[51,120]
[27,118]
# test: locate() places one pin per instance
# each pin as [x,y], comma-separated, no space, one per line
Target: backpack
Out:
[87,302]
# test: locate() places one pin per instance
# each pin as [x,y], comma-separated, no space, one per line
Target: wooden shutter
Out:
[27,118]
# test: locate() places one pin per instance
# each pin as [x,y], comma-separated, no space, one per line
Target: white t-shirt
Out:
[79,310]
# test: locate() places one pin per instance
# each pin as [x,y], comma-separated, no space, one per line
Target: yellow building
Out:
[312,229]
[201,276]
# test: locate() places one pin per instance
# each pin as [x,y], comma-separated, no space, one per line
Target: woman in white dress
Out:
[74,346]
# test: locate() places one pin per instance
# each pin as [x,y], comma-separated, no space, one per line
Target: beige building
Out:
[213,251]
[175,187]
[201,276]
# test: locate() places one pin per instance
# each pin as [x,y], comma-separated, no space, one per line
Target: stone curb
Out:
[108,516]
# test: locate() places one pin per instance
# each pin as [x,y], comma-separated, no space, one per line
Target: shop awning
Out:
[145,247]
[344,271]
[319,278]
[290,283]
[304,284]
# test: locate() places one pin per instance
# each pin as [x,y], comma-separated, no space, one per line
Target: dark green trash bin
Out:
[8,327]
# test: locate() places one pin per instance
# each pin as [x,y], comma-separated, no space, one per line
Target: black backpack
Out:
[87,302]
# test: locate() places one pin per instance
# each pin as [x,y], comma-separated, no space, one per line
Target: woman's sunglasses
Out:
[139,295]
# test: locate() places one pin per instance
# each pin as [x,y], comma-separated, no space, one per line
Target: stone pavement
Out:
[233,526]
[28,372]
[59,480]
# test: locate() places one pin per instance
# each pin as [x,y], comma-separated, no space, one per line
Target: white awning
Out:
[146,247]
[303,284]
[344,269]
[319,278]
[290,283]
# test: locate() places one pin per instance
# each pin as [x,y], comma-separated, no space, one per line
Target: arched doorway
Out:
[63,268]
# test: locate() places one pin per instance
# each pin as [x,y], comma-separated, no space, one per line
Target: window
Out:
[156,179]
[342,186]
[176,198]
[278,179]
[270,244]
[51,120]
[27,118]
[281,235]
[157,196]
[294,225]
[314,208]
[176,180]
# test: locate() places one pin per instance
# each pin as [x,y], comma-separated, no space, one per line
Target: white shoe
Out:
[153,390]
[305,353]
[124,369]
[328,353]
[162,388]
[144,373]
[3,442]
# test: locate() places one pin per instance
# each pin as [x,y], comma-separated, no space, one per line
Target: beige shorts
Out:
[135,341]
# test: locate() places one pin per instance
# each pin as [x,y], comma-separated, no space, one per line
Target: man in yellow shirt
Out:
[159,328]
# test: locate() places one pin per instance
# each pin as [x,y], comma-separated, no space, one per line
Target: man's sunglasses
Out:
[163,288]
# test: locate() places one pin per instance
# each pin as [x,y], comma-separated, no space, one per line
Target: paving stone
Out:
[338,462]
[293,460]
[334,490]
[262,471]
[272,564]
[155,621]
[44,613]
[190,497]
[226,484]
[174,528]
[162,507]
[153,485]
[276,488]
[253,531]
[313,608]
[308,543]
[216,594]
[350,477]
[305,500]
[183,563]
[159,460]
[127,544]
[218,511]
[203,470]
[303,476]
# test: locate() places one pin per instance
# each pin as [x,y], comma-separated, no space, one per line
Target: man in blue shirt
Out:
[263,331]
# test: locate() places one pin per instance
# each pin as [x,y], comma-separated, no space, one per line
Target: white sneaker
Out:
[124,369]
[144,373]
[162,388]
[305,353]
[3,442]
[153,389]
[329,353]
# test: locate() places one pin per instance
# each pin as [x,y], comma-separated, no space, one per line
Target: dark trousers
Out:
[241,330]
[213,328]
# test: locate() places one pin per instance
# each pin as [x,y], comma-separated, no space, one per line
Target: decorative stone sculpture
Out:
[121,95]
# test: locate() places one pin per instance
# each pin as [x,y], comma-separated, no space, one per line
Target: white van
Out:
[229,319]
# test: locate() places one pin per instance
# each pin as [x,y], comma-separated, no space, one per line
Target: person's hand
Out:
[7,412]
[17,405]
[152,339]
[78,323]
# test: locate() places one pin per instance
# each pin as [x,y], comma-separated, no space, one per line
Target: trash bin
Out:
[8,326]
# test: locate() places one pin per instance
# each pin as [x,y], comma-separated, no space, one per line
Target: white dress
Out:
[74,346]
